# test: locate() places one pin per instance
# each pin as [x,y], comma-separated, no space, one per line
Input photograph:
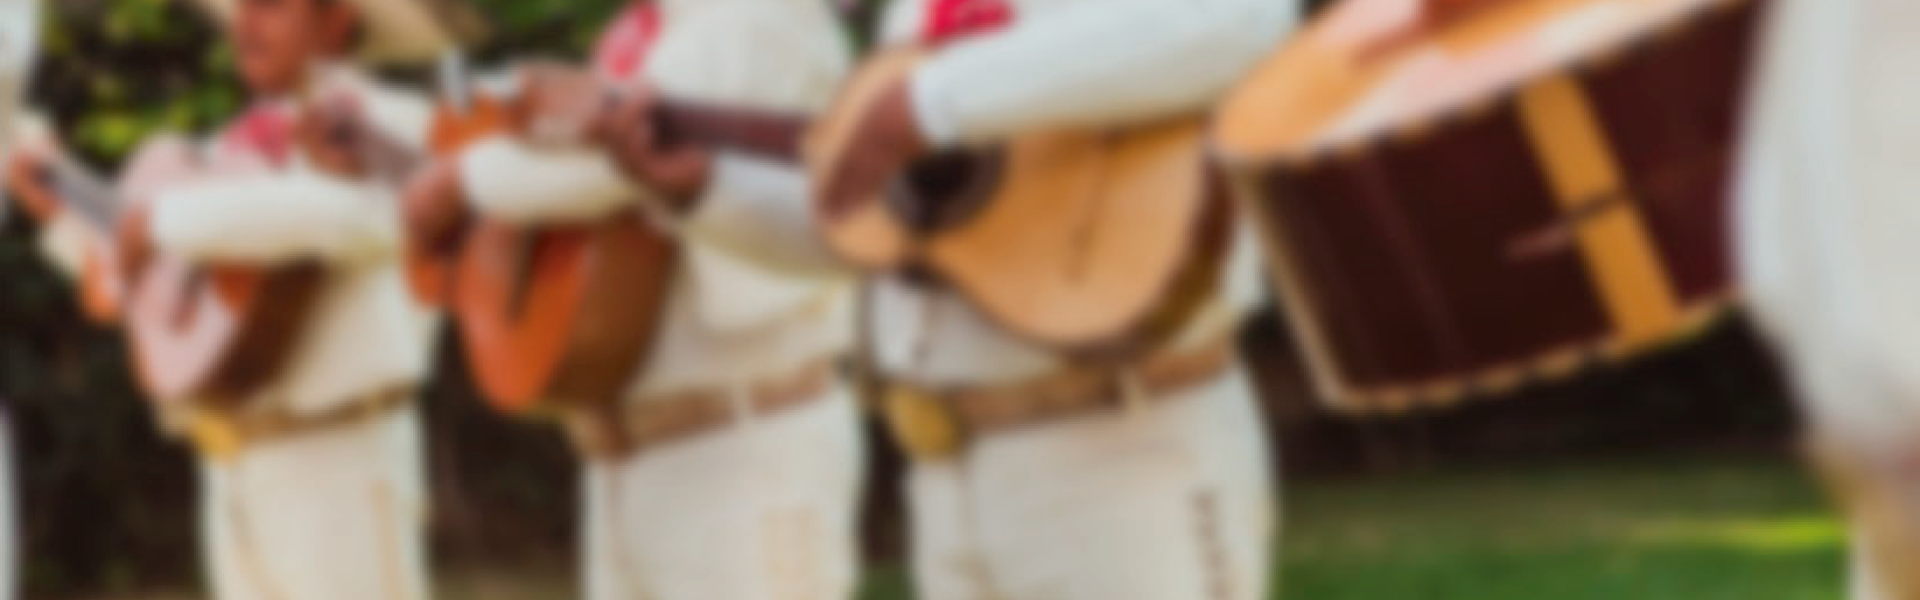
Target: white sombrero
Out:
[401,31]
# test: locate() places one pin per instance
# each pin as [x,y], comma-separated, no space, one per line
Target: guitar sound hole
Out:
[946,190]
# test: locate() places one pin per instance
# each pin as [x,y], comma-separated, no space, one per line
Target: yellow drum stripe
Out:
[1578,163]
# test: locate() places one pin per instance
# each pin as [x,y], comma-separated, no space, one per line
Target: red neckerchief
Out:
[950,21]
[624,48]
[265,130]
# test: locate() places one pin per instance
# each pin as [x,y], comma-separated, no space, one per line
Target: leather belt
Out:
[221,435]
[934,424]
[621,430]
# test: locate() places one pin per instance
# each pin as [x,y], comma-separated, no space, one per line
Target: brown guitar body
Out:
[550,316]
[561,315]
[431,263]
[216,334]
[1080,240]
[203,334]
[1511,195]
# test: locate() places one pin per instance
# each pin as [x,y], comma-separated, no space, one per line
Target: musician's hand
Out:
[333,133]
[557,104]
[31,158]
[887,141]
[135,238]
[627,128]
[434,205]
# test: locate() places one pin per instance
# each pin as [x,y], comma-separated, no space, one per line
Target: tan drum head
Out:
[1370,70]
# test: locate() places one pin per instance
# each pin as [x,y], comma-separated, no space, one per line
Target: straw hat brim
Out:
[400,31]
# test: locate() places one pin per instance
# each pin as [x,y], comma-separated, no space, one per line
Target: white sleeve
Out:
[519,183]
[277,218]
[1091,64]
[761,212]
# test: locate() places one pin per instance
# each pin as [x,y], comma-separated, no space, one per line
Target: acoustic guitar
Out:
[1463,197]
[563,314]
[197,333]
[1090,241]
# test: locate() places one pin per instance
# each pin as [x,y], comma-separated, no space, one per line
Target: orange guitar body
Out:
[1081,240]
[431,263]
[560,314]
[551,315]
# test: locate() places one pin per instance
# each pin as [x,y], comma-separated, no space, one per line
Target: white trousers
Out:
[334,515]
[1171,500]
[1864,583]
[765,510]
[1865,579]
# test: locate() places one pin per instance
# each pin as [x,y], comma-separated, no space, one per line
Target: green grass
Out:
[1692,530]
[1644,530]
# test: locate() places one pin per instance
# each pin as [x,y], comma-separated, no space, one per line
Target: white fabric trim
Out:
[277,218]
[521,183]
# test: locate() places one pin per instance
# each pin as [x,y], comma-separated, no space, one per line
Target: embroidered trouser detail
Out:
[1169,499]
[763,510]
[332,515]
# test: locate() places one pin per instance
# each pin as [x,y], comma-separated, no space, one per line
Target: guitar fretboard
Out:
[80,189]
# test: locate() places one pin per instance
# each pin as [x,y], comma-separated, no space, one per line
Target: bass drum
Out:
[1458,202]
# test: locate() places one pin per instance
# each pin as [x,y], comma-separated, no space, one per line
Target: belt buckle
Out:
[922,424]
[216,437]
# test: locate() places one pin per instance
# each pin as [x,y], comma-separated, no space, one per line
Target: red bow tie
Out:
[264,130]
[624,48]
[950,21]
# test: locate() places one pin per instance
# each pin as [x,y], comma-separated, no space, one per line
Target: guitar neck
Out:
[76,188]
[766,134]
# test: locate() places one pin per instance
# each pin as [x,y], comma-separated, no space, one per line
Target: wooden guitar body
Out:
[552,315]
[431,263]
[216,334]
[1511,192]
[196,333]
[560,314]
[1078,240]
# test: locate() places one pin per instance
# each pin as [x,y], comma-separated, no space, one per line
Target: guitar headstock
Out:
[465,113]
[454,129]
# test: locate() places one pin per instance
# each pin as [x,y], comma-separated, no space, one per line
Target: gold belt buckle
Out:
[923,426]
[216,437]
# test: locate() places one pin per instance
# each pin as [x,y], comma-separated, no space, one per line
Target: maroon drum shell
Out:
[1407,249]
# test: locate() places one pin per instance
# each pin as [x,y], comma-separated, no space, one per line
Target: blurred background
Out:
[1672,477]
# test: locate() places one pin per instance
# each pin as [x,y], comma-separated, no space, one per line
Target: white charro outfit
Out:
[337,512]
[1826,220]
[764,506]
[314,511]
[315,489]
[1171,498]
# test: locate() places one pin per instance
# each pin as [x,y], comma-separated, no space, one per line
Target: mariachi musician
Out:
[759,503]
[1826,226]
[1156,487]
[312,487]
